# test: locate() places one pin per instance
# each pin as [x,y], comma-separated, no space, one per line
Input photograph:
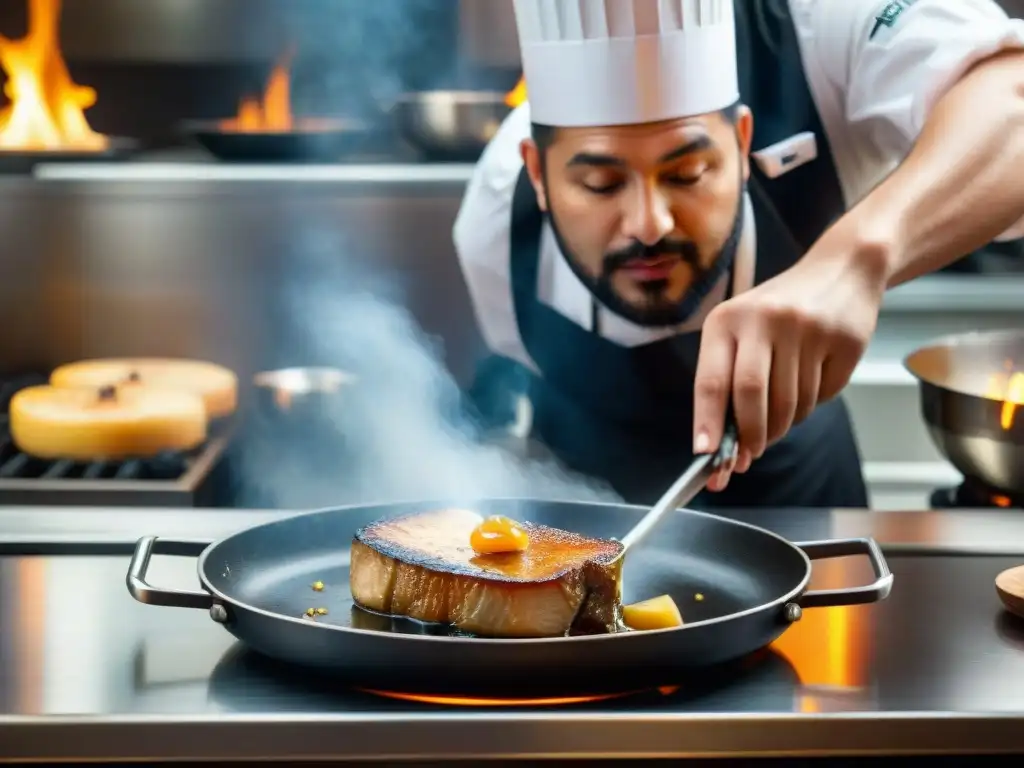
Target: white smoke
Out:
[403,435]
[397,434]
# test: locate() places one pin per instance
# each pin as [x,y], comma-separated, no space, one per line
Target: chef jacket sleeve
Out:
[892,61]
[481,236]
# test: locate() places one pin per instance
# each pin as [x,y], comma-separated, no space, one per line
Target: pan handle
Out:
[871,593]
[140,589]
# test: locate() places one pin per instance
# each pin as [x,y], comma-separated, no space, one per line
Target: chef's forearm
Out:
[961,186]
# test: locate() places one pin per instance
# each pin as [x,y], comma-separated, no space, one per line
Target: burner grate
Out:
[972,494]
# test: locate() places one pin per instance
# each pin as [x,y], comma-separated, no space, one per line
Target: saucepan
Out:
[300,409]
[450,125]
[300,392]
[738,587]
[972,400]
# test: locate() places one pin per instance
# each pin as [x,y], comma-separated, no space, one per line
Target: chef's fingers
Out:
[811,362]
[720,479]
[743,461]
[783,387]
[750,389]
[712,385]
[836,372]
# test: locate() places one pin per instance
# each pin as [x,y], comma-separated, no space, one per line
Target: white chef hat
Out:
[621,62]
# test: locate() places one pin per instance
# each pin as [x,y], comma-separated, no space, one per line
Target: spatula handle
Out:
[690,483]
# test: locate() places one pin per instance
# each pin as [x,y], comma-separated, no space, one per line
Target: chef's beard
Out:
[659,313]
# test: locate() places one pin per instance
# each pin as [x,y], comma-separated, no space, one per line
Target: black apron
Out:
[625,414]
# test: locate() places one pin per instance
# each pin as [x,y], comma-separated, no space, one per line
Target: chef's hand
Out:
[784,346]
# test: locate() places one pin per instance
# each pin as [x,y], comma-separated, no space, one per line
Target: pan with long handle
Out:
[738,586]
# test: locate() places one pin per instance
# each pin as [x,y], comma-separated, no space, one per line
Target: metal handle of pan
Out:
[142,591]
[870,593]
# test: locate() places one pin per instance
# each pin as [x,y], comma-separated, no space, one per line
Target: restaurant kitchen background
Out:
[269,184]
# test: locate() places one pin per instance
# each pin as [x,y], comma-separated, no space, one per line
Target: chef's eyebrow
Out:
[698,144]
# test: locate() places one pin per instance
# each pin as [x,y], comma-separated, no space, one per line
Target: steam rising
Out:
[356,57]
[398,433]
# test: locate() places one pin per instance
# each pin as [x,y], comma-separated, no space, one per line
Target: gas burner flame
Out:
[47,109]
[498,702]
[1008,388]
[517,95]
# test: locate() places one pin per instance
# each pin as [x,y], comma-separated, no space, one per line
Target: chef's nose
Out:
[648,217]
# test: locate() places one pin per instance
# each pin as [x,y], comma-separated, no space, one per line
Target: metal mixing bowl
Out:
[963,381]
[450,125]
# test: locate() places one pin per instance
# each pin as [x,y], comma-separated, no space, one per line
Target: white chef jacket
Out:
[873,88]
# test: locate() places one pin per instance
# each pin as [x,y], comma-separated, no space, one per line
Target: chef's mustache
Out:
[684,249]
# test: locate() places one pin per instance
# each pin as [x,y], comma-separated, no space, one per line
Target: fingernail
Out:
[745,460]
[703,443]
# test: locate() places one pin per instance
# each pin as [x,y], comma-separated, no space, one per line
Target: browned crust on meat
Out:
[551,554]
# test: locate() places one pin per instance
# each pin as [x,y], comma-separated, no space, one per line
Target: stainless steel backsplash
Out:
[199,269]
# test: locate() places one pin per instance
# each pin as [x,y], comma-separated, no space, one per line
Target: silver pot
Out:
[450,125]
[970,387]
[293,392]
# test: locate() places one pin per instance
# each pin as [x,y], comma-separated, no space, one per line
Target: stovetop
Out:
[937,664]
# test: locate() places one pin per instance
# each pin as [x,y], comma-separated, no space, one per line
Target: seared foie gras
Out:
[422,567]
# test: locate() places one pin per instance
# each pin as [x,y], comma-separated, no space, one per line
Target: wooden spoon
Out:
[1010,586]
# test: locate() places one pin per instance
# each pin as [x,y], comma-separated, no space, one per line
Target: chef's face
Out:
[644,212]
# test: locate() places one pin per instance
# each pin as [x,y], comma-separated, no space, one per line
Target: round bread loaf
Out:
[215,384]
[106,423]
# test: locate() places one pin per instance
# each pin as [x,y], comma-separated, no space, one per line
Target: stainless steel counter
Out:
[87,673]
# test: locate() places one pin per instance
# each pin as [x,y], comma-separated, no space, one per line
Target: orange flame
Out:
[517,95]
[553,701]
[1008,388]
[47,109]
[273,112]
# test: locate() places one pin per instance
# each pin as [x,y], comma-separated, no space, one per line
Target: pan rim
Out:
[488,641]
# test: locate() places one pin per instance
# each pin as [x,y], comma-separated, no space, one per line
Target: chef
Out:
[704,201]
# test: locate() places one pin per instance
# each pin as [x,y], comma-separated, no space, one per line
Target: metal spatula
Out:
[689,484]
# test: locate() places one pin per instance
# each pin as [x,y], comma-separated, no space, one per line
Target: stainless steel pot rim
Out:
[965,339]
[300,380]
[788,597]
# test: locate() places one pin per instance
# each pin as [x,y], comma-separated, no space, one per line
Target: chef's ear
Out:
[744,135]
[534,163]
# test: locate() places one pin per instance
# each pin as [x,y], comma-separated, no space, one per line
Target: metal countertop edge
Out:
[215,172]
[376,736]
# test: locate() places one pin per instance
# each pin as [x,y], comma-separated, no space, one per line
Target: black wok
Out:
[752,584]
[312,140]
[963,381]
[24,161]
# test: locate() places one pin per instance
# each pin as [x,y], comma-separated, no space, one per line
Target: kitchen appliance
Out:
[450,125]
[970,388]
[738,586]
[186,479]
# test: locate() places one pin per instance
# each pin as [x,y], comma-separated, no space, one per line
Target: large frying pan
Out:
[751,585]
[964,380]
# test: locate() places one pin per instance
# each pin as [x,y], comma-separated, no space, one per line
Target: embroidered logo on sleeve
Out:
[890,15]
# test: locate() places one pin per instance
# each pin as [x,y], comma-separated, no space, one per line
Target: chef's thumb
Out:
[712,389]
